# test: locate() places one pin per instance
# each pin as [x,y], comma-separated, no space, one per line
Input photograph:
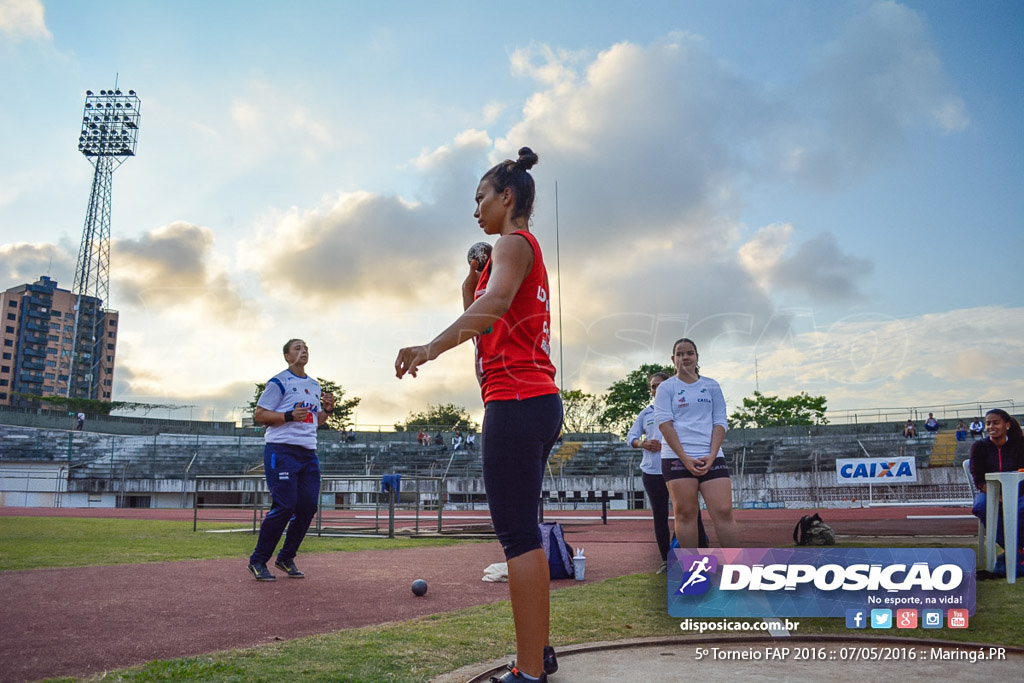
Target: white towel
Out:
[496,573]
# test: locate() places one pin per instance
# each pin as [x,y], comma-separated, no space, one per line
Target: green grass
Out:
[418,649]
[41,542]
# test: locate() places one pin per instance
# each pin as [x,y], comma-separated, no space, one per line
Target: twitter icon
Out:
[881,618]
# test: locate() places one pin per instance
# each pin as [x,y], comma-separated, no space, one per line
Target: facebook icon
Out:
[856,618]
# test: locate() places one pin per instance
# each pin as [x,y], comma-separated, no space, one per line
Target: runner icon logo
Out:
[695,579]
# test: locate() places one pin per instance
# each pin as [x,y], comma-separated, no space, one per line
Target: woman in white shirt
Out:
[645,435]
[690,412]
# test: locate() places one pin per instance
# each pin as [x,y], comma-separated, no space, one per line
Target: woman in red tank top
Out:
[507,315]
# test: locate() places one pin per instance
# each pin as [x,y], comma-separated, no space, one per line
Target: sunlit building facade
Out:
[39,352]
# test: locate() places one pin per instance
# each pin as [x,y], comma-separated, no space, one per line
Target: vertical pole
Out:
[442,495]
[558,270]
[320,507]
[391,512]
[417,523]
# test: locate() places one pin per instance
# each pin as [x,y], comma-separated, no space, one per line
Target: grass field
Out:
[415,650]
[40,542]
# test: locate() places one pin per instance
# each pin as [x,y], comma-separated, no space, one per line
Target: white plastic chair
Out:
[981,525]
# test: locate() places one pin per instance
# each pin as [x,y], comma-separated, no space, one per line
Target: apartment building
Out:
[45,351]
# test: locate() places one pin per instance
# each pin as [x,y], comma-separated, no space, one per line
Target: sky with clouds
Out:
[830,191]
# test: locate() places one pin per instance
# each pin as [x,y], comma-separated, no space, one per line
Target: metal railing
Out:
[245,498]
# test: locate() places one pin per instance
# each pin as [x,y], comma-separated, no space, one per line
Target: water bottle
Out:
[579,563]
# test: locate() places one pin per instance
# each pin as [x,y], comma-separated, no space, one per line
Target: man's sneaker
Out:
[550,661]
[662,568]
[260,571]
[289,568]
[513,674]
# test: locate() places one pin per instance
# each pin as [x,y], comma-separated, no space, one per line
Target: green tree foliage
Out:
[582,411]
[448,417]
[773,411]
[627,397]
[88,406]
[339,418]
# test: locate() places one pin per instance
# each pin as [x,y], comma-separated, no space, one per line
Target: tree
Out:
[88,406]
[582,411]
[448,417]
[772,411]
[627,397]
[339,418]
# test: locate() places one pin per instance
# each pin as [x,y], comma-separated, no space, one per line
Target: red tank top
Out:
[513,356]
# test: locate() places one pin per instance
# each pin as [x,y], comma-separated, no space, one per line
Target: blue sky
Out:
[832,188]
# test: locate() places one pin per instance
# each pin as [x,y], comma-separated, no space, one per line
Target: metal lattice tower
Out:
[110,129]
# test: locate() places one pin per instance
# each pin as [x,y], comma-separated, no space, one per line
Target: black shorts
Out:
[517,438]
[675,469]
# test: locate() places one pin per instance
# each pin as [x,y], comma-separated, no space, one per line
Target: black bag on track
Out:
[811,530]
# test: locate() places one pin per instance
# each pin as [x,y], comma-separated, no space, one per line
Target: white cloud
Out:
[24,19]
[273,121]
[357,246]
[492,111]
[360,245]
[173,270]
[246,115]
[875,359]
[546,65]
[24,262]
[763,252]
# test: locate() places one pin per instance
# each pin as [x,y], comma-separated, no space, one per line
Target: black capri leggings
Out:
[657,493]
[517,438]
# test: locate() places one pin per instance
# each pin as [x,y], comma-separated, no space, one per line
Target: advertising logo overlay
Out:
[850,583]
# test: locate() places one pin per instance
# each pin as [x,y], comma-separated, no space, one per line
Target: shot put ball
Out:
[419,587]
[481,253]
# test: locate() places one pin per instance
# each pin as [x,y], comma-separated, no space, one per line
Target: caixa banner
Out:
[816,582]
[898,470]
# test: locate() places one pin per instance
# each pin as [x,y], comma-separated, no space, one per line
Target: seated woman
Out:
[909,430]
[961,431]
[977,428]
[1001,451]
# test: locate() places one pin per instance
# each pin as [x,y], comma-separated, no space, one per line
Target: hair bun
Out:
[527,159]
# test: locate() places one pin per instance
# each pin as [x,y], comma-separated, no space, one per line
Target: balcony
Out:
[32,365]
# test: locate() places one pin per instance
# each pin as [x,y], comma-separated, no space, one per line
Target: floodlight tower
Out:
[110,129]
